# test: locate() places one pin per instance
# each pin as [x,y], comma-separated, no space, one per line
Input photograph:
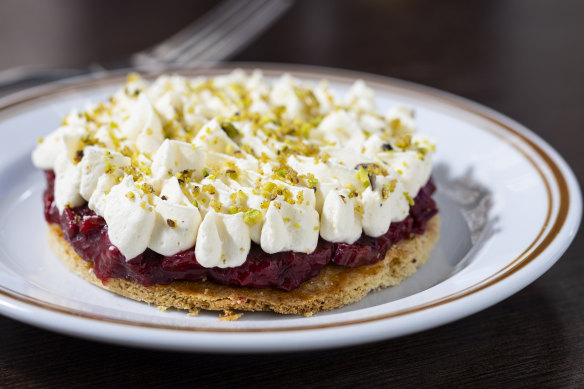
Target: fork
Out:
[220,33]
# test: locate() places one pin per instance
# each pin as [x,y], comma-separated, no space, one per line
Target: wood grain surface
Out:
[523,58]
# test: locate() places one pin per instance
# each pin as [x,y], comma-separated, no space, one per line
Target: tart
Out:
[236,192]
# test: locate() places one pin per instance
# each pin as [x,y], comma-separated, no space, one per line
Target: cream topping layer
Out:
[217,163]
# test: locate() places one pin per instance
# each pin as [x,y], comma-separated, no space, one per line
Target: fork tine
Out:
[233,25]
[169,49]
[220,32]
[232,41]
[220,14]
[205,40]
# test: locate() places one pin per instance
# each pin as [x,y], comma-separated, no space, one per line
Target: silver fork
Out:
[220,33]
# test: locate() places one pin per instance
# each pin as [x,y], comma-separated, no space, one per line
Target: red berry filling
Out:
[87,234]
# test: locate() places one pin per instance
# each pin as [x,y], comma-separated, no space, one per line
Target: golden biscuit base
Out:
[334,287]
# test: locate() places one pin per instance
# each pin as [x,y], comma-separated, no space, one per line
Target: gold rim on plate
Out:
[379,83]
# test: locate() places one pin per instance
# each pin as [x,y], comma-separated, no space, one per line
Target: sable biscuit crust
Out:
[334,287]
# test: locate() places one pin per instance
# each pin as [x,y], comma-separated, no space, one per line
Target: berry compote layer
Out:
[88,235]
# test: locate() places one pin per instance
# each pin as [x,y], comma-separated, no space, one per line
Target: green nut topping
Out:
[363,176]
[252,217]
[229,129]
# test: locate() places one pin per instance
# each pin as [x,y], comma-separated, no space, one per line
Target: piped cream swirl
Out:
[218,163]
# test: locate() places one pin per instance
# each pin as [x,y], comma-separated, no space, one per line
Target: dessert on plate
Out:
[239,192]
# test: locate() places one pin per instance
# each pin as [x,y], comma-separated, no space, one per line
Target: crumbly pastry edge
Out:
[334,287]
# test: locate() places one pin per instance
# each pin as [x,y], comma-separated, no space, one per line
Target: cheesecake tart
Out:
[238,192]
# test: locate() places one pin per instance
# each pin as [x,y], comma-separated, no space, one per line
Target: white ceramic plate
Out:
[510,207]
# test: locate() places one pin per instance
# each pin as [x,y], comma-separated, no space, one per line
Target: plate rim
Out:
[569,195]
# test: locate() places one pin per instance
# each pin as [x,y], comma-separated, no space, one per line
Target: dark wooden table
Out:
[522,58]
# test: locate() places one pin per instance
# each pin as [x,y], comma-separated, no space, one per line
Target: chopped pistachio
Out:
[252,217]
[229,129]
[209,189]
[363,176]
[313,182]
[409,198]
[216,205]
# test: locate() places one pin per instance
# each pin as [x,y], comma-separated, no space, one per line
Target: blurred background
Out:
[498,52]
[524,58]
